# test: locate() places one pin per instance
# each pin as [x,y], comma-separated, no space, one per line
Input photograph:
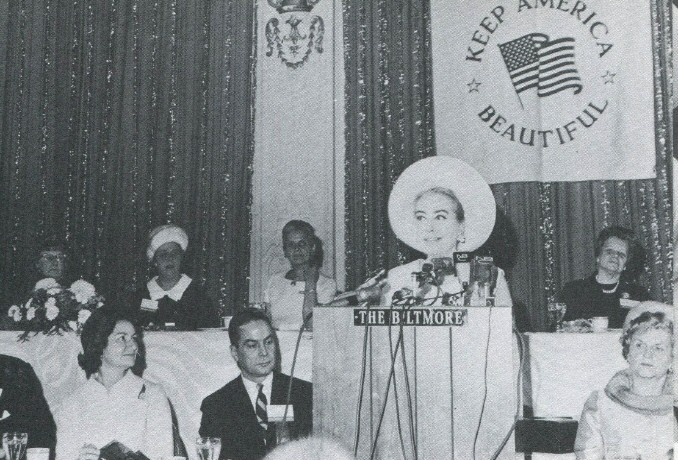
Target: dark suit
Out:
[228,414]
[23,404]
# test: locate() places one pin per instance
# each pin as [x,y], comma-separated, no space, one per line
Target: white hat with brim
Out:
[475,196]
[168,233]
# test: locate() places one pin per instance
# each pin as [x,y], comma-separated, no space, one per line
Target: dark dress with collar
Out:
[192,311]
[585,299]
[23,404]
[228,414]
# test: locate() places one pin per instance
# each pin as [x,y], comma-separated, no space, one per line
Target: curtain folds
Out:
[545,232]
[118,116]
[389,122]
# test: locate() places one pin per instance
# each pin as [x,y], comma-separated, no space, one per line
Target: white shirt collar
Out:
[253,389]
[157,293]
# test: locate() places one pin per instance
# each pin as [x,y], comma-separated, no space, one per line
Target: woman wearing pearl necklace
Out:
[607,292]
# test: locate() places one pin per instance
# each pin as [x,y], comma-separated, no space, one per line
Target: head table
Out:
[560,371]
[189,366]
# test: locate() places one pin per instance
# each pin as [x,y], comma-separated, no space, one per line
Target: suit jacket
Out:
[23,407]
[228,414]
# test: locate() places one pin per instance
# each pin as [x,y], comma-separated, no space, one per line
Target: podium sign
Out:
[455,388]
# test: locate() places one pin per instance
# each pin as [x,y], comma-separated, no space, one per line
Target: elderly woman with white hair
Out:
[172,297]
[633,416]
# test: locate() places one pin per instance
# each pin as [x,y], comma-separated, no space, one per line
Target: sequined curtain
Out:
[120,115]
[545,232]
[389,121]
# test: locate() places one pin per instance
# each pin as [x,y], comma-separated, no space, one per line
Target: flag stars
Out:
[473,86]
[608,77]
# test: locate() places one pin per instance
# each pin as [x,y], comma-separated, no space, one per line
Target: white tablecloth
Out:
[563,369]
[189,365]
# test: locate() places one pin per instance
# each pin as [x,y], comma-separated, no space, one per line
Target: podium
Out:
[461,380]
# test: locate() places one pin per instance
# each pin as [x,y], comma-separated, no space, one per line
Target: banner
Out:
[545,90]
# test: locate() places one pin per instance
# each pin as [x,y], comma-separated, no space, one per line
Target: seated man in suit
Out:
[23,407]
[238,412]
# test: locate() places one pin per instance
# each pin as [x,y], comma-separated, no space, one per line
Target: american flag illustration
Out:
[535,61]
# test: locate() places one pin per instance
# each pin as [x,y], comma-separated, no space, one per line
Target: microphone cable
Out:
[361,391]
[519,384]
[485,389]
[294,362]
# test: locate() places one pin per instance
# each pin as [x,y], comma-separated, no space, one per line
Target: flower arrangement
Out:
[53,309]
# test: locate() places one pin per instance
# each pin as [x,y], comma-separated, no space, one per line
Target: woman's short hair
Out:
[636,254]
[308,230]
[644,322]
[458,208]
[94,339]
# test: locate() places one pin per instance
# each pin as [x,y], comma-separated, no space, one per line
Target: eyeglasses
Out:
[612,252]
[53,257]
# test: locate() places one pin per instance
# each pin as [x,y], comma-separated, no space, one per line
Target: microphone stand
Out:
[294,362]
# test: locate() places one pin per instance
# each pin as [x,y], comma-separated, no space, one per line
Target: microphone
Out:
[444,264]
[366,294]
[462,263]
[369,291]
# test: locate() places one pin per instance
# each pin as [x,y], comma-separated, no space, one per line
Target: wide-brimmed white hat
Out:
[168,233]
[467,184]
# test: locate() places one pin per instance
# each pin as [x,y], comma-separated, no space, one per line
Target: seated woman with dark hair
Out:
[114,404]
[51,262]
[610,290]
[633,416]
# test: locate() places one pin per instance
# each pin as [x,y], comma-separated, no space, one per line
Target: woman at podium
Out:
[441,206]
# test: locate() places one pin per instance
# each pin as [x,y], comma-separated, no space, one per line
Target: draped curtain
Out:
[545,232]
[120,115]
[389,122]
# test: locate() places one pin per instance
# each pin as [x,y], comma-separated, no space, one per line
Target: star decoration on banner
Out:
[608,77]
[473,86]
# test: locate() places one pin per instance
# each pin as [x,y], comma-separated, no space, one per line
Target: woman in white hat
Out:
[172,296]
[438,206]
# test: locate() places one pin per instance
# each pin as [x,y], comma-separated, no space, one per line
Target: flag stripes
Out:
[534,61]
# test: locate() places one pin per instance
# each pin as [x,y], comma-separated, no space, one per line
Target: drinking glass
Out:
[556,312]
[14,445]
[208,448]
[282,433]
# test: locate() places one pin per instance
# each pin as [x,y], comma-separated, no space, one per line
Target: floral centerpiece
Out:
[53,309]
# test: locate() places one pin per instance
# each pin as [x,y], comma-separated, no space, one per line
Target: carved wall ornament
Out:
[294,48]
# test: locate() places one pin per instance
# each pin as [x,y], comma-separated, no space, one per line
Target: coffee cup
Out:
[599,323]
[37,453]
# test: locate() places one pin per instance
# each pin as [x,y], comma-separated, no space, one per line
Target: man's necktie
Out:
[262,415]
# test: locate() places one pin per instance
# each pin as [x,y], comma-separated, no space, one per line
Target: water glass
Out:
[14,445]
[282,433]
[556,313]
[208,448]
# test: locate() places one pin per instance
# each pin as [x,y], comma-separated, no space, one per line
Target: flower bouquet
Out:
[53,309]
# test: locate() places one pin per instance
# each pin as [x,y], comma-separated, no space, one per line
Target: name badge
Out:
[149,305]
[276,412]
